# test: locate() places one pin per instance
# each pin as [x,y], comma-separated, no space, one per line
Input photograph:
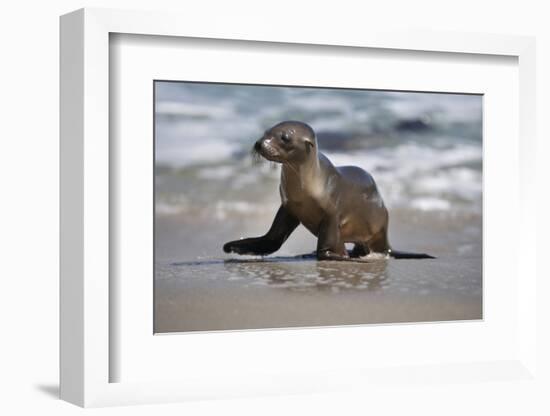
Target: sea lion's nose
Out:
[258,144]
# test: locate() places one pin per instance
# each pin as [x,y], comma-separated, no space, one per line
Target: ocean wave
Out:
[423,149]
[415,171]
[217,209]
[192,110]
[408,158]
[431,204]
[205,151]
[217,121]
[436,108]
[409,176]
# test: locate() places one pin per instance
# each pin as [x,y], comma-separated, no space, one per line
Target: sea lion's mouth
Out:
[266,150]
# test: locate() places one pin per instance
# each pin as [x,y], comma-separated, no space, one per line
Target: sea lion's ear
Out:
[309,142]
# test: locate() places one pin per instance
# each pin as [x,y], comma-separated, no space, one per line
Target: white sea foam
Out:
[220,209]
[464,183]
[247,179]
[165,208]
[179,108]
[216,172]
[431,204]
[223,209]
[376,256]
[410,158]
[432,177]
[205,151]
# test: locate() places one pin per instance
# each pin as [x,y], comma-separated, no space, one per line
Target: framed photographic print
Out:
[282,213]
[411,159]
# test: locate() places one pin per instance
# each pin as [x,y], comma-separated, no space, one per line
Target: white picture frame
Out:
[85,213]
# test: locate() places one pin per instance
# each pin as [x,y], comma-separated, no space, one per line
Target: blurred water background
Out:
[423,149]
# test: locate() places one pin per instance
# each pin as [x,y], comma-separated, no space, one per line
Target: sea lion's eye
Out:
[285,137]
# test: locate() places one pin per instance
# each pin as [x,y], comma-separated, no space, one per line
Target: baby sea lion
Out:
[337,204]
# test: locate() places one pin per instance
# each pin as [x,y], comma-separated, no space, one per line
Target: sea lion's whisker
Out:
[256,156]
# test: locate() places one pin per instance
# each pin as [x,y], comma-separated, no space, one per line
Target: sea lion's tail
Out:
[396,254]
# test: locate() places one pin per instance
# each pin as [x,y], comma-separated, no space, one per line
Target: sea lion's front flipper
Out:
[283,225]
[329,244]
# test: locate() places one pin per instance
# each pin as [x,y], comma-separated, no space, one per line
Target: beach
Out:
[198,291]
[425,153]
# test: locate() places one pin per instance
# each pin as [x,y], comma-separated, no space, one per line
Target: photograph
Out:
[309,206]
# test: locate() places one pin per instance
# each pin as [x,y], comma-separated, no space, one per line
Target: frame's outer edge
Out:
[379,36]
[71,343]
[528,202]
[84,176]
[95,182]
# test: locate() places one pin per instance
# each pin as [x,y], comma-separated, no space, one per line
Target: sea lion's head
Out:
[286,142]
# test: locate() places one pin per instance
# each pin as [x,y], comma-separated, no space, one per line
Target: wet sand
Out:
[199,288]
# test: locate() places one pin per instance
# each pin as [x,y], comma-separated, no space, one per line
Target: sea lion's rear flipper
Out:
[396,254]
[283,225]
[379,244]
